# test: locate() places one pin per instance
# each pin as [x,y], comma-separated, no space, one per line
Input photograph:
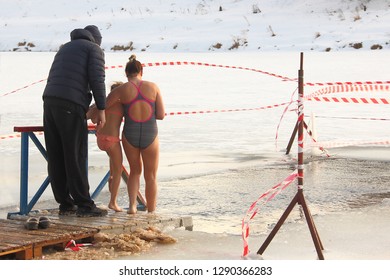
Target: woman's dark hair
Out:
[133,66]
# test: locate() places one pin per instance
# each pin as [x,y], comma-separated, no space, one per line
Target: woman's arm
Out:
[160,108]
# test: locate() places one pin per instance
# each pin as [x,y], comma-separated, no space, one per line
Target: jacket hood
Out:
[95,33]
[81,34]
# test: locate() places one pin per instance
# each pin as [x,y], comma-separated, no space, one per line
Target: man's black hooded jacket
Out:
[79,68]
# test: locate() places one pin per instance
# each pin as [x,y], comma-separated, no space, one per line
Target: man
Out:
[77,69]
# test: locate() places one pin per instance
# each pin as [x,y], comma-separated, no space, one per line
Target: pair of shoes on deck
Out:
[35,223]
[91,212]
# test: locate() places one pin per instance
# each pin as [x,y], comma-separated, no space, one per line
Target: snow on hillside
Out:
[199,25]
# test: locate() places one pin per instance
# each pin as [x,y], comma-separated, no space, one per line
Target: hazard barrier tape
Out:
[335,87]
[364,84]
[17,135]
[282,116]
[26,86]
[181,113]
[352,118]
[337,144]
[338,87]
[314,141]
[307,130]
[373,85]
[73,246]
[10,136]
[255,208]
[225,110]
[191,63]
[356,100]
[173,63]
[344,87]
[352,87]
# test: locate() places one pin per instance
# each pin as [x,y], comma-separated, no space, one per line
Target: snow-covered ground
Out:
[199,25]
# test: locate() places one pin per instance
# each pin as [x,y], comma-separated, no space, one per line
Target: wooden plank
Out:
[16,250]
[34,234]
[12,239]
[26,254]
[35,248]
[9,245]
[37,252]
[12,225]
[5,247]
[17,239]
[28,244]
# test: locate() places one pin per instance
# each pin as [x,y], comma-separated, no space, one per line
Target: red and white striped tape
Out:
[175,63]
[10,136]
[352,118]
[374,85]
[383,86]
[225,110]
[356,100]
[191,63]
[282,116]
[352,84]
[24,87]
[332,88]
[16,135]
[255,208]
[73,246]
[352,87]
[182,113]
[337,144]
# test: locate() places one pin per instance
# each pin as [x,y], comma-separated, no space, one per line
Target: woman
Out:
[108,140]
[143,105]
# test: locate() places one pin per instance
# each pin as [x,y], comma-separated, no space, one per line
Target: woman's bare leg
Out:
[116,160]
[150,158]
[133,182]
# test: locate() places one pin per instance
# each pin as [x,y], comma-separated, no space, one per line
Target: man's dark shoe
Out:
[67,211]
[91,212]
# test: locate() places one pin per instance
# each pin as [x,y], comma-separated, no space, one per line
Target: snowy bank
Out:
[199,26]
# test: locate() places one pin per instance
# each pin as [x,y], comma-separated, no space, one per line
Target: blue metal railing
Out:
[26,206]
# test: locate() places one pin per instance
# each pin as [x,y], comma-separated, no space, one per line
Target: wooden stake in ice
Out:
[299,197]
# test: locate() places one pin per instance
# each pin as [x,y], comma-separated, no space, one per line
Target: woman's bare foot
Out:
[115,207]
[132,210]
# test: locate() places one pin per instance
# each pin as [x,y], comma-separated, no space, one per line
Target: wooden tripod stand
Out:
[299,197]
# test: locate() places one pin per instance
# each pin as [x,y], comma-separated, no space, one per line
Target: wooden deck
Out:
[16,242]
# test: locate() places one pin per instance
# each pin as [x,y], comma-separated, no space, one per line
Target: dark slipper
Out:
[44,222]
[31,223]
